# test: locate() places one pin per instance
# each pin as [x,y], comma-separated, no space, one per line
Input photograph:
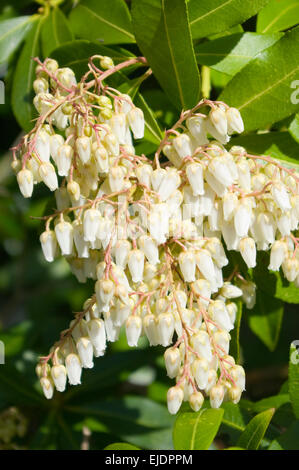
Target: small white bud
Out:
[25,181]
[73,368]
[133,330]
[175,396]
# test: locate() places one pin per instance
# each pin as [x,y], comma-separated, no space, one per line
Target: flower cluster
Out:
[154,236]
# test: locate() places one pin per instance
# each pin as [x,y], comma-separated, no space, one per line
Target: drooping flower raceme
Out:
[154,237]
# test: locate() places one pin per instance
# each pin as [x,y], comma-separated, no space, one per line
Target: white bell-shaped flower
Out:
[133,329]
[136,265]
[85,351]
[197,127]
[97,335]
[56,141]
[187,265]
[64,157]
[149,247]
[91,224]
[200,370]
[165,328]
[48,244]
[136,121]
[73,368]
[25,181]
[83,147]
[59,376]
[64,235]
[216,396]
[48,175]
[194,172]
[201,344]
[175,396]
[234,121]
[182,144]
[278,254]
[247,249]
[47,386]
[172,360]
[118,126]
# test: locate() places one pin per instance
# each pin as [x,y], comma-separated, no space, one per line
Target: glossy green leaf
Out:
[265,319]
[235,416]
[262,90]
[294,379]
[76,54]
[12,33]
[106,20]
[230,54]
[271,402]
[22,91]
[294,128]
[55,31]
[274,283]
[212,16]
[255,430]
[278,15]
[121,446]
[288,440]
[196,431]
[279,145]
[152,132]
[163,35]
[235,334]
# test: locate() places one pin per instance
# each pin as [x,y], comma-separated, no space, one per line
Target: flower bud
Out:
[64,235]
[136,121]
[47,386]
[49,244]
[106,63]
[85,351]
[196,401]
[234,121]
[172,359]
[84,149]
[200,371]
[175,397]
[165,328]
[25,181]
[136,265]
[216,396]
[97,334]
[59,377]
[182,144]
[194,174]
[133,329]
[73,368]
[48,175]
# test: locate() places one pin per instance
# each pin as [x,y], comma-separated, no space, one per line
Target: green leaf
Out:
[294,379]
[262,90]
[278,15]
[212,16]
[134,419]
[255,430]
[230,54]
[294,128]
[76,54]
[265,319]
[196,431]
[107,20]
[235,416]
[279,145]
[271,402]
[235,334]
[163,35]
[274,283]
[288,440]
[121,446]
[55,31]
[12,33]
[22,92]
[152,129]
